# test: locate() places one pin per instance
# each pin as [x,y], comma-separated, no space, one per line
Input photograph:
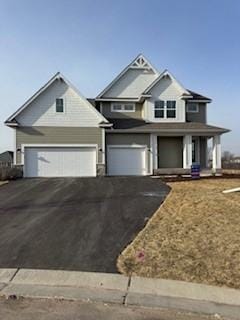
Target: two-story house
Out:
[144,122]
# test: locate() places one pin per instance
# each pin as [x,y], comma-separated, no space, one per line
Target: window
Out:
[171,109]
[165,109]
[123,107]
[128,107]
[159,109]
[59,105]
[192,107]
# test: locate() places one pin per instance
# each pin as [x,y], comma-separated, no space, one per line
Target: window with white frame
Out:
[192,107]
[123,107]
[159,109]
[59,105]
[165,109]
[171,109]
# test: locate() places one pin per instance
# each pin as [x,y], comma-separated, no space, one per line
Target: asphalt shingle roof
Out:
[135,125]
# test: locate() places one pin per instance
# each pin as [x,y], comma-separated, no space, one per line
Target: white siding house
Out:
[42,111]
[165,89]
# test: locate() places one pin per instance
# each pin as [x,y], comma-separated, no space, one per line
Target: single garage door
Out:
[59,161]
[126,160]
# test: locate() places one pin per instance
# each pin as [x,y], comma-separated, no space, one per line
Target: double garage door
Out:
[73,161]
[60,161]
[127,160]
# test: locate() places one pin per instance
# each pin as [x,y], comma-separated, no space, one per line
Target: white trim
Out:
[122,104]
[216,153]
[11,124]
[127,146]
[123,72]
[103,147]
[57,76]
[162,75]
[191,111]
[187,151]
[56,145]
[154,152]
[133,146]
[101,108]
[105,125]
[119,100]
[15,147]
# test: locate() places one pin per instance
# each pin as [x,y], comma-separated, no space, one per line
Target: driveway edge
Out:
[116,288]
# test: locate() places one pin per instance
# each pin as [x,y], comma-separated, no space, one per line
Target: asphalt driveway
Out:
[73,223]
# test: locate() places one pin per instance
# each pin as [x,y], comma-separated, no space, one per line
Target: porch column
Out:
[154,151]
[187,151]
[216,153]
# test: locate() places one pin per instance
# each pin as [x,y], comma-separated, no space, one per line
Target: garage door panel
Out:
[60,161]
[126,161]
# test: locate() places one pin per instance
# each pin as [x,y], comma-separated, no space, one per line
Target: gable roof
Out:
[140,62]
[11,121]
[137,125]
[160,77]
[198,97]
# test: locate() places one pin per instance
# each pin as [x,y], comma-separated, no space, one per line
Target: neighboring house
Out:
[235,160]
[6,157]
[143,122]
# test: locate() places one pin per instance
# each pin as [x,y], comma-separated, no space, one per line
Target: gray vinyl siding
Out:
[129,139]
[203,152]
[170,152]
[58,135]
[107,113]
[200,116]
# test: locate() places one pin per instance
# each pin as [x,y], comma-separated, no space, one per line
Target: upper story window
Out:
[59,105]
[171,109]
[165,109]
[159,109]
[123,107]
[192,107]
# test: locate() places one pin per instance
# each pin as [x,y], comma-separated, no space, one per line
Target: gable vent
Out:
[140,63]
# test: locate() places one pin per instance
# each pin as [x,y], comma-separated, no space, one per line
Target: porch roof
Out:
[135,125]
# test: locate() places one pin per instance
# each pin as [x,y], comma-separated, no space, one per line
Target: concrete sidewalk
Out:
[115,288]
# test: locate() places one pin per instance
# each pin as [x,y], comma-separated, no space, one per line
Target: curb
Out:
[116,288]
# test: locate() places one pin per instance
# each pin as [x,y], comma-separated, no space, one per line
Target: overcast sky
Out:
[92,41]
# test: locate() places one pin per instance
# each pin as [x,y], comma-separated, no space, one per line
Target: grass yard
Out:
[194,236]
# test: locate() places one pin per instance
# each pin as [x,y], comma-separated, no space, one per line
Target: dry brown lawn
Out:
[194,236]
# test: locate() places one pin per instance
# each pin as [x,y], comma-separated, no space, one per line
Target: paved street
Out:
[26,309]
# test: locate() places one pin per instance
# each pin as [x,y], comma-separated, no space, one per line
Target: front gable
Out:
[131,84]
[132,81]
[165,89]
[40,110]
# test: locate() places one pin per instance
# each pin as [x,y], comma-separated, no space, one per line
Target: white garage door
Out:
[126,160]
[59,161]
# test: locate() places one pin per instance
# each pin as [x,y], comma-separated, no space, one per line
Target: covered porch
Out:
[175,154]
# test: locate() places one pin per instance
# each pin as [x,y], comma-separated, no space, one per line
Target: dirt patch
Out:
[194,236]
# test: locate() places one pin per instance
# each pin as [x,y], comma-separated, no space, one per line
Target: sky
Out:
[90,42]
